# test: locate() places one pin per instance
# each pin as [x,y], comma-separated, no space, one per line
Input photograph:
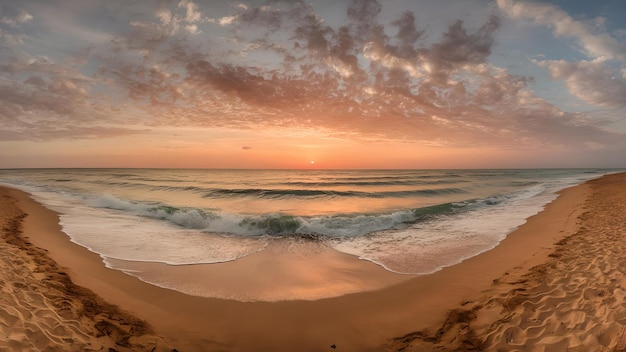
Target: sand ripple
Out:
[573,302]
[42,310]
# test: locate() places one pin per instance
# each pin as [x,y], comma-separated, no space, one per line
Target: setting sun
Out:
[375,86]
[348,170]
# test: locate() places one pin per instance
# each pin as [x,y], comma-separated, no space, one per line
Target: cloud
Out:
[185,15]
[590,81]
[12,20]
[363,17]
[56,109]
[16,21]
[596,45]
[365,77]
[191,14]
[408,34]
[283,65]
[43,99]
[13,16]
[226,20]
[595,81]
[458,48]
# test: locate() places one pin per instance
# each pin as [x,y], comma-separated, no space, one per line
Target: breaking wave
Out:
[331,226]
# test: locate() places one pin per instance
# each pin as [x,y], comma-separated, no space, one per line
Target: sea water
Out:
[407,221]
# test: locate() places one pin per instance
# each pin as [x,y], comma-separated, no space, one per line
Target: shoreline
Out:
[41,308]
[364,321]
[283,271]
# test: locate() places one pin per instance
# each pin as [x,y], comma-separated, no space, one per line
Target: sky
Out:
[313,84]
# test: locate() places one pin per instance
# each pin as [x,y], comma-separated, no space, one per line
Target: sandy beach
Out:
[557,283]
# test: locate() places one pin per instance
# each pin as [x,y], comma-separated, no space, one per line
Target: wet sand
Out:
[286,269]
[555,283]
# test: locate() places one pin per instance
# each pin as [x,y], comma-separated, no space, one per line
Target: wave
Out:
[368,182]
[271,187]
[300,189]
[277,193]
[278,224]
[187,217]
[272,193]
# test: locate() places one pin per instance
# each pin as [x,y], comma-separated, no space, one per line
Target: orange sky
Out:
[273,150]
[347,84]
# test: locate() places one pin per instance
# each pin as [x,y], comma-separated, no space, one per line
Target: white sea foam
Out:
[166,216]
[426,247]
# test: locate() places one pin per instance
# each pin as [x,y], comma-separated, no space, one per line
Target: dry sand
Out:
[573,301]
[556,283]
[42,310]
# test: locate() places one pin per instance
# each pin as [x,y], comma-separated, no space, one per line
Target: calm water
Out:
[408,221]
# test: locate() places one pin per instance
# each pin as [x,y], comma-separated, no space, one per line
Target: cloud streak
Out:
[596,80]
[596,45]
[284,64]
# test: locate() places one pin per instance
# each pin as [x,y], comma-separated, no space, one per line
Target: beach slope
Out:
[41,309]
[557,282]
[574,300]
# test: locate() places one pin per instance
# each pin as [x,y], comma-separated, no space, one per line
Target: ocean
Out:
[407,221]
